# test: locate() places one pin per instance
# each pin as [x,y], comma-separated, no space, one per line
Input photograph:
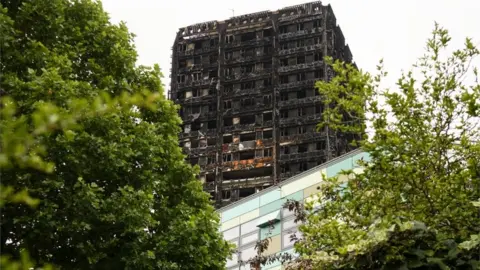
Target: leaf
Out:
[474,242]
[438,262]
[476,204]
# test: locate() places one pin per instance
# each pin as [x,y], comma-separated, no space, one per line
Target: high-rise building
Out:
[247,96]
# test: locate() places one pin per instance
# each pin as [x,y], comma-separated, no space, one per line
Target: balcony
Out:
[202,82]
[257,74]
[309,48]
[243,109]
[304,138]
[247,164]
[297,18]
[299,67]
[240,146]
[268,123]
[300,120]
[301,33]
[196,100]
[292,103]
[249,92]
[198,150]
[245,182]
[242,127]
[197,51]
[198,133]
[252,58]
[247,145]
[310,156]
[255,42]
[208,167]
[264,143]
[212,132]
[204,116]
[296,84]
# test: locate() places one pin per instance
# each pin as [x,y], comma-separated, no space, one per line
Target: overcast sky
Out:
[374,29]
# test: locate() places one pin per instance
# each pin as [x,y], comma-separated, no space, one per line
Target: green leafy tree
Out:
[89,140]
[21,144]
[415,206]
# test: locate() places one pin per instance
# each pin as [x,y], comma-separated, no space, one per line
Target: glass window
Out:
[288,224]
[245,267]
[249,238]
[248,253]
[231,234]
[235,242]
[286,212]
[249,227]
[233,261]
[287,241]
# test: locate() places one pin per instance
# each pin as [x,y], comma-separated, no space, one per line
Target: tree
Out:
[92,138]
[416,203]
[23,148]
[415,206]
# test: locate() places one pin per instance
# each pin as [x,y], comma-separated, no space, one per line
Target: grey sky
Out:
[374,29]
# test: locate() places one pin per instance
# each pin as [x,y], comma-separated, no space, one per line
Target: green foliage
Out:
[89,141]
[25,263]
[414,205]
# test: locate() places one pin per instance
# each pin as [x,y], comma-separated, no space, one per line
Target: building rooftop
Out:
[199,29]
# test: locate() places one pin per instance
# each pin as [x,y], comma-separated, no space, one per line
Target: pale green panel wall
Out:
[272,265]
[302,183]
[270,197]
[365,156]
[278,204]
[309,191]
[249,215]
[297,196]
[268,231]
[334,169]
[276,264]
[241,209]
[290,251]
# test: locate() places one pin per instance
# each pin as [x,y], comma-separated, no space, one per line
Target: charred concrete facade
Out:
[246,90]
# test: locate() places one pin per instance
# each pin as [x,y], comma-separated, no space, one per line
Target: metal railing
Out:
[255,42]
[202,82]
[244,127]
[252,108]
[301,49]
[248,92]
[300,33]
[296,102]
[251,75]
[296,84]
[246,59]
[197,51]
[305,137]
[300,120]
[194,100]
[199,150]
[296,67]
[198,133]
[311,155]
